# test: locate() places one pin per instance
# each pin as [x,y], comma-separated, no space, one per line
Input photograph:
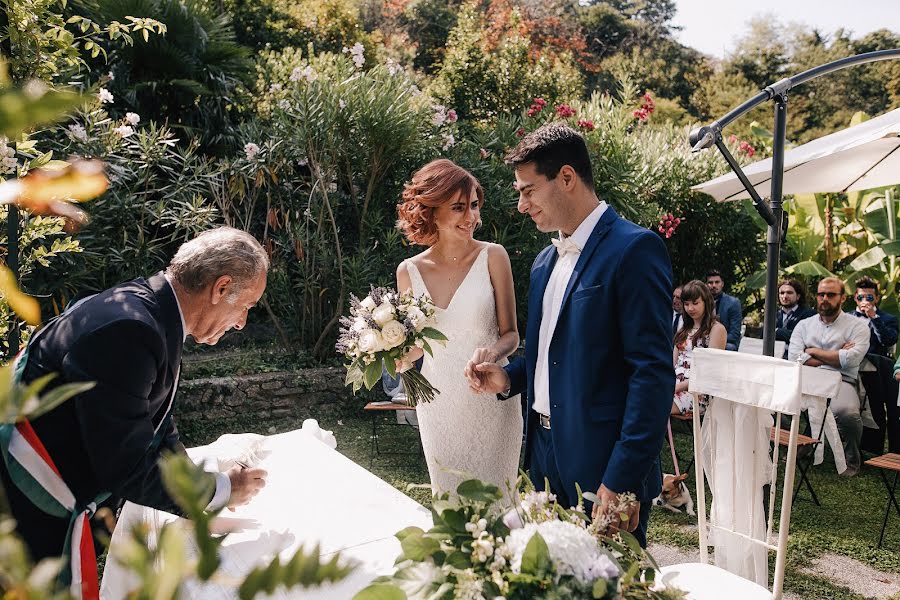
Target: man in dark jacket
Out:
[108,440]
[728,309]
[792,298]
[883,325]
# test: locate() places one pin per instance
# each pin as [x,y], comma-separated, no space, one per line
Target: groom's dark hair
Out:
[550,147]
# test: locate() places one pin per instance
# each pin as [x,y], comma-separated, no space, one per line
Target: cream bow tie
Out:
[565,245]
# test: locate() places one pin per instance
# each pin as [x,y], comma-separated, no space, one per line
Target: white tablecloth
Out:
[314,495]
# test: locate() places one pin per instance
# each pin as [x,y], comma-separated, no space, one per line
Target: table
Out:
[314,495]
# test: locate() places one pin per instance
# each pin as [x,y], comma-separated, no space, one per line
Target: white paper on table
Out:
[313,495]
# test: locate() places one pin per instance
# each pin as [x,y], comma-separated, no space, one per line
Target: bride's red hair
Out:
[435,184]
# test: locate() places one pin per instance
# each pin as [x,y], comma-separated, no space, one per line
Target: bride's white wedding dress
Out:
[465,434]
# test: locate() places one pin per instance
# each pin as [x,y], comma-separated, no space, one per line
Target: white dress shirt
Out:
[223,483]
[552,304]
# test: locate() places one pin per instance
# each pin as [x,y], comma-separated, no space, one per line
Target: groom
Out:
[598,353]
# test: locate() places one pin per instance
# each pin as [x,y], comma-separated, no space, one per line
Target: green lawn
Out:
[847,523]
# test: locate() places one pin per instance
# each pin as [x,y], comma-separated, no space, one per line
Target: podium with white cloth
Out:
[313,495]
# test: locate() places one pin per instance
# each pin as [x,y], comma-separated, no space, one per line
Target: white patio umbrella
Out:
[861,157]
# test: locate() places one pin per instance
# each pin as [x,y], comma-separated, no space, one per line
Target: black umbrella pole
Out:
[773,237]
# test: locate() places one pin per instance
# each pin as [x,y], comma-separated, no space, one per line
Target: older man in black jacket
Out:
[128,340]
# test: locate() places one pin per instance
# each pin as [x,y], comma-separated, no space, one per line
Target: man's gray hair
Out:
[217,252]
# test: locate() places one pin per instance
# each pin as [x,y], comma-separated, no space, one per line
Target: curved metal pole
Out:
[709,135]
[704,137]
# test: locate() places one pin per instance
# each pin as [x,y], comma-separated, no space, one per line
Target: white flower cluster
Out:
[8,162]
[573,550]
[307,73]
[77,132]
[251,150]
[356,54]
[124,131]
[105,96]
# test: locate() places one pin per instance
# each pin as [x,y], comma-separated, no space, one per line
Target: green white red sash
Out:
[34,473]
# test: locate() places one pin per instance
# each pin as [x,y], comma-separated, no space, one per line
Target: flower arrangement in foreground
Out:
[536,550]
[381,329]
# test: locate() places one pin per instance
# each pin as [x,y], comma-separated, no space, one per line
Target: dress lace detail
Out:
[465,434]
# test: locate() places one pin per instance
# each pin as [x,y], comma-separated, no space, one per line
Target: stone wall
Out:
[266,394]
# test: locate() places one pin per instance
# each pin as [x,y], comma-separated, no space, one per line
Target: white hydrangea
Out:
[132,118]
[105,96]
[77,132]
[573,550]
[124,131]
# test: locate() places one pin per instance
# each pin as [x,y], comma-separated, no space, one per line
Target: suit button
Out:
[555,363]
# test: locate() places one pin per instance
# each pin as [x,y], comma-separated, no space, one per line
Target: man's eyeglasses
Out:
[828,295]
[866,297]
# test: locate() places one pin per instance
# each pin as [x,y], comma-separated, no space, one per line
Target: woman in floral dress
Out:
[701,329]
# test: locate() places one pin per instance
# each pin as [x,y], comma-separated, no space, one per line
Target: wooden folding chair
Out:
[763,383]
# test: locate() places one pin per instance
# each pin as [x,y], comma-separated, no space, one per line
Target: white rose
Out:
[370,341]
[417,318]
[383,313]
[359,324]
[393,333]
[368,304]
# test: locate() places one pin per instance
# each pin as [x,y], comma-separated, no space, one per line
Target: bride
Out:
[464,434]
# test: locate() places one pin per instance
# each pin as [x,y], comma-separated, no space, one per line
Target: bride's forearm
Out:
[506,345]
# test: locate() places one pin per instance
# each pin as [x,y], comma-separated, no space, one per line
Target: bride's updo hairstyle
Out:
[437,183]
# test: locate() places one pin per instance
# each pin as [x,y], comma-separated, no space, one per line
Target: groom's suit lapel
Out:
[600,230]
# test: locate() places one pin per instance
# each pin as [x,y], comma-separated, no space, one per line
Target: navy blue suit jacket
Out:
[610,360]
[728,310]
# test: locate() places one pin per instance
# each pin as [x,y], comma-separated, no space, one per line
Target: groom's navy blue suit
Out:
[610,365]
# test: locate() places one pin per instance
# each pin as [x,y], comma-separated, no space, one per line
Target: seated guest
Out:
[792,298]
[728,309]
[883,326]
[701,329]
[837,341]
[677,310]
[107,441]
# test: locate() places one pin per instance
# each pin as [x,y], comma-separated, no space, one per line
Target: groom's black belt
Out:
[544,420]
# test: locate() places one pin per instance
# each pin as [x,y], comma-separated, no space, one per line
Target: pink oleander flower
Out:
[452,117]
[586,124]
[536,107]
[746,148]
[520,132]
[564,111]
[668,223]
[641,114]
[484,153]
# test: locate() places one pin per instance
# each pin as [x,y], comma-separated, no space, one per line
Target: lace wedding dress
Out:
[466,435]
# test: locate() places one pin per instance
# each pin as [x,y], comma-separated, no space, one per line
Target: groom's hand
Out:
[608,500]
[487,377]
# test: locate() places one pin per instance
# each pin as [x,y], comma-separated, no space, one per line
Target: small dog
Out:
[675,494]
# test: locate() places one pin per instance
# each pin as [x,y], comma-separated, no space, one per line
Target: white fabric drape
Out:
[746,390]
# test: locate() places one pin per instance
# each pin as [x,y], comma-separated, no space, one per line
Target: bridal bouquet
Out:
[536,550]
[381,329]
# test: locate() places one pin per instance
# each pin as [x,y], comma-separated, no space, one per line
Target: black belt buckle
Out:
[544,420]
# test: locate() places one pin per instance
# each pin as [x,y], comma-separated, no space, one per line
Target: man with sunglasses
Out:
[883,326]
[837,341]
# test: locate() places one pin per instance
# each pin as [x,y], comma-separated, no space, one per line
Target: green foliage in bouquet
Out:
[537,549]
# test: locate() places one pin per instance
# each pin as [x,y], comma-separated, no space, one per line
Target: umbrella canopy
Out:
[860,157]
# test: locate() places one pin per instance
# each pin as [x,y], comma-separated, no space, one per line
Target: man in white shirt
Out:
[837,341]
[598,347]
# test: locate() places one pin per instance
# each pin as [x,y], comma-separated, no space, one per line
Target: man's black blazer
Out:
[127,339]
